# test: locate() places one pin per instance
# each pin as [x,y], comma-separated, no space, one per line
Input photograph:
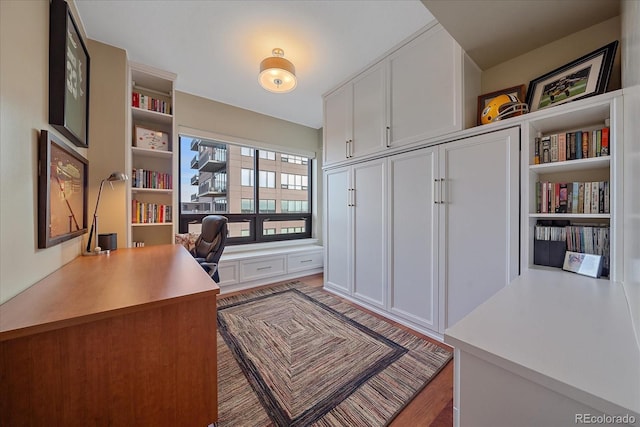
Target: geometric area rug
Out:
[295,355]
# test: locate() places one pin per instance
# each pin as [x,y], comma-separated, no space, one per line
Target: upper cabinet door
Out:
[425,88]
[338,124]
[369,111]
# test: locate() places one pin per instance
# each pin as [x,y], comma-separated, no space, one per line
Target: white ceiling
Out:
[215,47]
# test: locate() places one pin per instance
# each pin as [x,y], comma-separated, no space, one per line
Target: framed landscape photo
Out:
[483,100]
[62,191]
[586,76]
[68,76]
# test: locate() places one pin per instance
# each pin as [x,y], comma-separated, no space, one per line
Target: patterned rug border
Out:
[443,355]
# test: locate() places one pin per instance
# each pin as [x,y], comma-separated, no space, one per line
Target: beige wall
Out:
[533,64]
[24,111]
[24,84]
[195,112]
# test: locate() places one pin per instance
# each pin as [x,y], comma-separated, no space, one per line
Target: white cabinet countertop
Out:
[569,333]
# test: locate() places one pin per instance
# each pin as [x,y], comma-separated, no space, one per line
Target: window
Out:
[264,194]
[267,155]
[295,206]
[247,206]
[267,206]
[298,160]
[294,182]
[267,179]
[247,177]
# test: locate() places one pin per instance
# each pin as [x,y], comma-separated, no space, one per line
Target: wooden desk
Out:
[122,339]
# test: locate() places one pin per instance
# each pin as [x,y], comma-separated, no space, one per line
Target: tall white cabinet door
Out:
[426,87]
[369,227]
[479,219]
[369,111]
[337,229]
[337,124]
[413,287]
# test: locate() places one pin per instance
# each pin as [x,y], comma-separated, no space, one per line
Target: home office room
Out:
[338,213]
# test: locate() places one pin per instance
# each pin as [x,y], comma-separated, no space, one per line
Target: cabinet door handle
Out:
[388,136]
[350,148]
[435,187]
[443,188]
[263,268]
[346,149]
[349,197]
[353,197]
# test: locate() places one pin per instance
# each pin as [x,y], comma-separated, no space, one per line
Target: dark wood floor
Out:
[433,406]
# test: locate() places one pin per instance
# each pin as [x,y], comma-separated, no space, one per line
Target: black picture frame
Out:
[69,66]
[62,191]
[586,76]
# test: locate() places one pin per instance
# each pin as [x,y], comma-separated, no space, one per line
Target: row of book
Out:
[143,178]
[573,197]
[138,244]
[587,239]
[571,146]
[150,213]
[146,102]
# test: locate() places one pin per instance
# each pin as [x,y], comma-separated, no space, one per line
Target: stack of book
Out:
[146,102]
[571,146]
[573,197]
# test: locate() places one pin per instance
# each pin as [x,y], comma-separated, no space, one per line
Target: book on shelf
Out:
[146,102]
[572,197]
[150,213]
[143,178]
[545,149]
[585,264]
[564,146]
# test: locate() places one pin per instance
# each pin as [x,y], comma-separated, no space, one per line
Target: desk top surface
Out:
[570,333]
[94,287]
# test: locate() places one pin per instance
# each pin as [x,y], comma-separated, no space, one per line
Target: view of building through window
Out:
[228,179]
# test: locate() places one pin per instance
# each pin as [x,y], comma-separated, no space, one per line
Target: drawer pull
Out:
[264,268]
[306,260]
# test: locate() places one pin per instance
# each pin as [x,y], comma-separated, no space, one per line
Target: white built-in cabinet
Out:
[427,235]
[356,231]
[415,92]
[425,88]
[355,116]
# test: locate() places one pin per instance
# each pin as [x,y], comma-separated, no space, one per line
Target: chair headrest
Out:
[212,225]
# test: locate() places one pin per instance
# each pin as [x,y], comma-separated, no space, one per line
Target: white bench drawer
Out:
[304,261]
[263,267]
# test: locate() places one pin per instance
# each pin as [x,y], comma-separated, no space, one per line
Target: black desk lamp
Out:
[115,176]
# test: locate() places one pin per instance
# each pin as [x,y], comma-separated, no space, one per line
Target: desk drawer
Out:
[304,261]
[263,267]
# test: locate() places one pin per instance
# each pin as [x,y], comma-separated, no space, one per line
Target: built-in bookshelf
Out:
[571,202]
[152,157]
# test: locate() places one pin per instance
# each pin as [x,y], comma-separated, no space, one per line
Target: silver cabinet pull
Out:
[388,136]
[346,149]
[264,268]
[435,187]
[442,190]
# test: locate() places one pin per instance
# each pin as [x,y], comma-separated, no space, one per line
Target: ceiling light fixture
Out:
[277,74]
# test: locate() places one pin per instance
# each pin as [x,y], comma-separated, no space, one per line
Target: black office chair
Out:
[210,244]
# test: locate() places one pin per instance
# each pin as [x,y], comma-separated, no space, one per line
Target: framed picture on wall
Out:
[586,76]
[62,191]
[68,76]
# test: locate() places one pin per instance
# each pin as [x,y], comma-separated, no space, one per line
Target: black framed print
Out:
[68,76]
[586,76]
[62,191]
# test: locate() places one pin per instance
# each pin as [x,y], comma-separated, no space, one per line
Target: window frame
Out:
[256,220]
